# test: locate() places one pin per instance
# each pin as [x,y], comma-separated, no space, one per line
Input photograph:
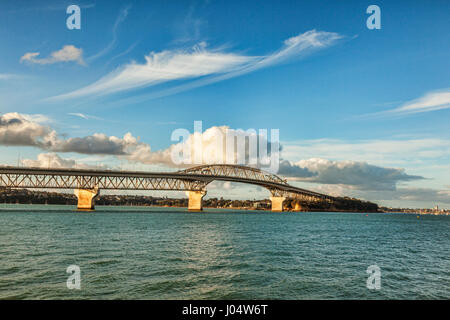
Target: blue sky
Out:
[374,97]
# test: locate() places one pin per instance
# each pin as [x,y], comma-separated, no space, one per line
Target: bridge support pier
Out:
[297,206]
[86,198]
[195,200]
[277,203]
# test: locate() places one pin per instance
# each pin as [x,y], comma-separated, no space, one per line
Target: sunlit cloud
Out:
[68,53]
[53,160]
[31,130]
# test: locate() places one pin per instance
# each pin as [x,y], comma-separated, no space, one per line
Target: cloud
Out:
[29,130]
[429,102]
[199,63]
[9,76]
[68,53]
[400,151]
[98,143]
[214,149]
[23,130]
[401,197]
[357,174]
[162,67]
[53,160]
[84,116]
[121,17]
[190,26]
[415,195]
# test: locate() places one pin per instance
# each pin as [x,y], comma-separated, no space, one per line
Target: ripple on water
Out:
[149,253]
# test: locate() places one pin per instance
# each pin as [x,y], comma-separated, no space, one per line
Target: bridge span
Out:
[87,183]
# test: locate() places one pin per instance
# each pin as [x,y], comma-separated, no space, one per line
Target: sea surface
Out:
[169,253]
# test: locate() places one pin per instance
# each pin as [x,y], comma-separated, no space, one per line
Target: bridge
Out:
[88,183]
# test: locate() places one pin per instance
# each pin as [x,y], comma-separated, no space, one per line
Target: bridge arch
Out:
[235,171]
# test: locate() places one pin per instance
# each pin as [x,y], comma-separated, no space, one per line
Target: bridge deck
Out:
[22,177]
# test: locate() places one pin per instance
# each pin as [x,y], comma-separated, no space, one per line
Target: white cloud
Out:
[429,102]
[53,160]
[199,63]
[162,67]
[214,149]
[67,54]
[121,17]
[8,76]
[406,151]
[83,116]
[413,197]
[28,130]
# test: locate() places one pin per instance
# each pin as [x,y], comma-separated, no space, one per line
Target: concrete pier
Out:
[195,200]
[277,203]
[86,198]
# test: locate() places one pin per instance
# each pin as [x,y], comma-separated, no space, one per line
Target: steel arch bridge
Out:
[194,180]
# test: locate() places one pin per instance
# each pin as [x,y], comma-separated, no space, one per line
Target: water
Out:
[168,253]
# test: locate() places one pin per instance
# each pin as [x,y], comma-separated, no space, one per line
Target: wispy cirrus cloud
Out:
[200,65]
[120,18]
[8,76]
[68,53]
[83,116]
[431,101]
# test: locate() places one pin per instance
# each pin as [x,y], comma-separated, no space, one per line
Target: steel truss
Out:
[192,179]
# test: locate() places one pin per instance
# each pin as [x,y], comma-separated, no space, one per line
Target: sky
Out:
[360,112]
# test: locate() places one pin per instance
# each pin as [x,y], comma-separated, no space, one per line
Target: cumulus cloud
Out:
[23,130]
[359,175]
[200,62]
[246,147]
[53,160]
[30,130]
[98,143]
[68,53]
[218,144]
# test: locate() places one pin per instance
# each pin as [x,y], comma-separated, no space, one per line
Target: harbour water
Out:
[169,253]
